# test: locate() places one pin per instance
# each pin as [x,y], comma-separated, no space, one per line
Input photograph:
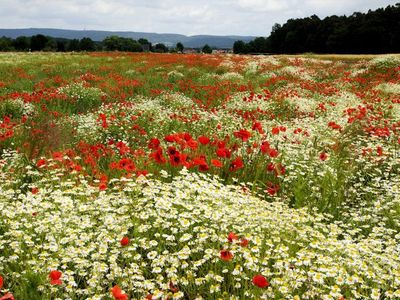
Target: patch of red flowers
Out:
[8,296]
[236,164]
[226,255]
[323,156]
[244,242]
[242,134]
[124,241]
[260,281]
[232,236]
[55,276]
[118,294]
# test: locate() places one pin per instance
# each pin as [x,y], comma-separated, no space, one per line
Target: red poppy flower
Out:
[272,189]
[242,134]
[172,150]
[177,159]
[187,137]
[158,156]
[41,163]
[226,255]
[142,173]
[223,152]
[173,287]
[192,144]
[124,241]
[271,167]
[201,163]
[1,282]
[244,242]
[57,156]
[379,150]
[203,140]
[275,130]
[236,164]
[232,236]
[260,281]
[257,126]
[170,138]
[265,146]
[323,156]
[8,296]
[273,152]
[55,276]
[102,186]
[154,143]
[117,293]
[216,163]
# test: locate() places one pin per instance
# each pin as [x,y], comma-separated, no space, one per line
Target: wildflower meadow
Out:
[189,176]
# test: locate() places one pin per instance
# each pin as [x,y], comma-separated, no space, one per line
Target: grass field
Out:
[172,176]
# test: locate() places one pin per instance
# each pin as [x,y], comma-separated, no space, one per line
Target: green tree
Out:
[206,49]
[146,45]
[73,45]
[38,42]
[6,44]
[86,44]
[179,47]
[51,45]
[22,43]
[161,48]
[112,43]
[61,45]
[239,47]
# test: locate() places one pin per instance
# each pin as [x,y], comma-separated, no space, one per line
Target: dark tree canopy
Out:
[161,48]
[206,49]
[179,47]
[38,42]
[372,32]
[86,44]
[22,43]
[73,45]
[116,43]
[6,44]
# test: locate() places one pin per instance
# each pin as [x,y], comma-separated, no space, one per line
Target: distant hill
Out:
[169,39]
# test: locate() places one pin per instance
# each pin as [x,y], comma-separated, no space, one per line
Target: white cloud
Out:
[264,5]
[229,17]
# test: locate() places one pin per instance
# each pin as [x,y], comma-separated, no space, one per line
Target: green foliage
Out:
[206,49]
[113,43]
[372,32]
[6,44]
[86,44]
[78,98]
[38,42]
[22,43]
[161,48]
[10,108]
[179,47]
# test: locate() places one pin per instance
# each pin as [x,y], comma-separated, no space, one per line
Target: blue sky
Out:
[218,17]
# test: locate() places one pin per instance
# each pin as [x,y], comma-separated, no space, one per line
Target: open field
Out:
[171,176]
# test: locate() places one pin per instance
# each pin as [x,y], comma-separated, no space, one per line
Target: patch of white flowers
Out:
[176,231]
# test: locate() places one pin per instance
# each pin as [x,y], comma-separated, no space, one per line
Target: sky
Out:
[189,17]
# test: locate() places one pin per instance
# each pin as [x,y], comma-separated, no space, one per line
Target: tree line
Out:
[361,33]
[41,42]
